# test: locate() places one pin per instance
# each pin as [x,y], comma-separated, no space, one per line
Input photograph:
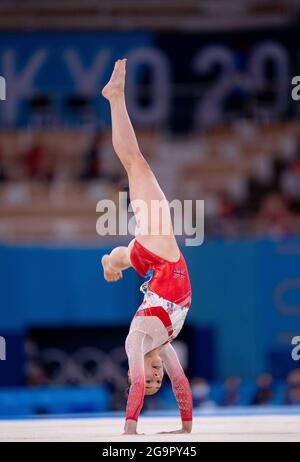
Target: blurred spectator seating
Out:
[45,400]
[51,181]
[233,392]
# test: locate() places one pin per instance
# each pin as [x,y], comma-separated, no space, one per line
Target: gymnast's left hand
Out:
[186,428]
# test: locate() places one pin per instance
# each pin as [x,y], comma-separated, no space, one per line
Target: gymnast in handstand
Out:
[167,297]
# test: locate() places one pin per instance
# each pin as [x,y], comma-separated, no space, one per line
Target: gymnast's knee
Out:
[137,165]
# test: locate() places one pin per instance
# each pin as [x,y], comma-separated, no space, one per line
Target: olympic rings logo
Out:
[87,366]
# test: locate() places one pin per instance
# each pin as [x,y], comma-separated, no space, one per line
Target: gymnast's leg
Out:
[155,232]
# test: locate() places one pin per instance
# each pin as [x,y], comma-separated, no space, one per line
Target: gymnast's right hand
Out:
[109,273]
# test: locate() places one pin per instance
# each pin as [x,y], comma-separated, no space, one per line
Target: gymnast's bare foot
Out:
[116,84]
[110,275]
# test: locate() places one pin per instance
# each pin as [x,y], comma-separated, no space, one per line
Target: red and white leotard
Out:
[156,323]
[168,293]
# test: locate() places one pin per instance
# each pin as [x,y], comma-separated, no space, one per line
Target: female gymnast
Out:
[167,297]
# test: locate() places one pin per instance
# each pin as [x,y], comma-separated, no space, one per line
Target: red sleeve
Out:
[135,353]
[183,394]
[180,383]
[135,399]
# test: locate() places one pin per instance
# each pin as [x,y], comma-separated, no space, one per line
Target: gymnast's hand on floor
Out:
[173,432]
[186,428]
[182,430]
[109,273]
[130,428]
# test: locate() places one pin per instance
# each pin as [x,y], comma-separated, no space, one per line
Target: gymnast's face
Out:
[154,374]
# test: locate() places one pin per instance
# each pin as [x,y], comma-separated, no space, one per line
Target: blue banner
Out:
[183,80]
[60,65]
